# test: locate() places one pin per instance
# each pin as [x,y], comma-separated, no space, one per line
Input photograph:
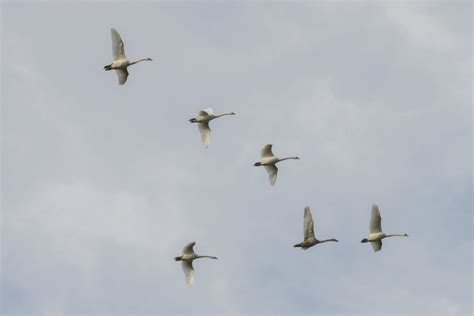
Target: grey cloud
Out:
[102,185]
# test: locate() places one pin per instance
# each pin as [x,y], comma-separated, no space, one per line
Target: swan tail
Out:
[177,259]
[298,245]
[108,67]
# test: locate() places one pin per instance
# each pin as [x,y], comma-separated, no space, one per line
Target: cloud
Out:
[103,185]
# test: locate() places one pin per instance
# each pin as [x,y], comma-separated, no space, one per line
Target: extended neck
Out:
[223,114]
[288,158]
[210,257]
[137,61]
[332,239]
[400,235]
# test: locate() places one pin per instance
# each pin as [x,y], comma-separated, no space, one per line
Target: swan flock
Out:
[268,160]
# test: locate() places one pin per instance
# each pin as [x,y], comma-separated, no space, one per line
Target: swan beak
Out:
[297,157]
[232,113]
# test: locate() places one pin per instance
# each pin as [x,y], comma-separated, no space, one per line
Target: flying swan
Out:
[269,161]
[308,230]
[120,63]
[376,235]
[187,257]
[202,119]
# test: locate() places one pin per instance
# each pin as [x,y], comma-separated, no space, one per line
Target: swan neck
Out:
[392,235]
[211,257]
[332,239]
[288,158]
[139,60]
[223,114]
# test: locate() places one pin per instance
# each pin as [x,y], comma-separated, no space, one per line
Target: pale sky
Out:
[102,185]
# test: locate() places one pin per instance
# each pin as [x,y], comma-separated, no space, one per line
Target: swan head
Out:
[297,157]
[148,58]
[364,240]
[232,113]
[406,235]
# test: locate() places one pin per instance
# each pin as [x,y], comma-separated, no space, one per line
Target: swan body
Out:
[376,235]
[202,119]
[308,231]
[120,62]
[187,257]
[269,161]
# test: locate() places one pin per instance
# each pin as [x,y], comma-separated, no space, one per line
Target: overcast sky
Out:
[102,185]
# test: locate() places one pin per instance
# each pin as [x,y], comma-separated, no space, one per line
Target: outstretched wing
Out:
[375,220]
[118,51]
[206,112]
[122,75]
[266,151]
[376,245]
[188,271]
[188,249]
[308,224]
[272,173]
[205,131]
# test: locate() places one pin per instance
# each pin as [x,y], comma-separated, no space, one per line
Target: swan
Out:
[376,235]
[187,257]
[308,230]
[269,161]
[120,62]
[203,118]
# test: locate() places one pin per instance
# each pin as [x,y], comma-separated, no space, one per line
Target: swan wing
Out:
[266,151]
[205,131]
[188,271]
[122,75]
[308,224]
[206,112]
[376,245]
[118,51]
[375,220]
[272,173]
[188,249]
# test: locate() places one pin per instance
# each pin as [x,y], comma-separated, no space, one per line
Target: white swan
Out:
[203,118]
[269,161]
[187,257]
[308,230]
[376,235]
[120,62]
